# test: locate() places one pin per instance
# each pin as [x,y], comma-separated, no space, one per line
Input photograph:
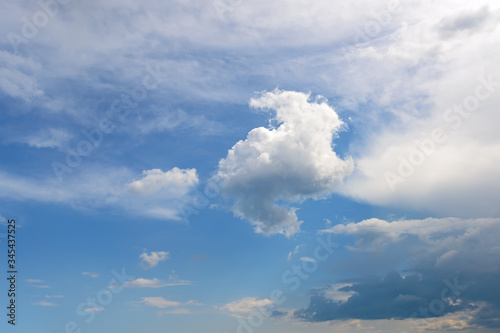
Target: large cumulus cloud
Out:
[290,163]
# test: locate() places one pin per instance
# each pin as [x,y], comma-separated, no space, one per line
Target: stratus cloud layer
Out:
[291,163]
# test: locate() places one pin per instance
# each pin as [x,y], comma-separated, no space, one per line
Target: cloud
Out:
[51,138]
[17,78]
[376,234]
[159,302]
[90,274]
[152,259]
[156,283]
[92,309]
[294,251]
[465,21]
[37,283]
[54,296]
[174,308]
[43,303]
[455,173]
[376,298]
[157,195]
[339,292]
[290,163]
[178,180]
[404,77]
[178,120]
[180,311]
[246,305]
[451,262]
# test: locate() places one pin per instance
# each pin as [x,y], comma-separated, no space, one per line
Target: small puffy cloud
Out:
[155,283]
[33,280]
[152,259]
[90,274]
[176,180]
[54,296]
[289,163]
[246,305]
[162,194]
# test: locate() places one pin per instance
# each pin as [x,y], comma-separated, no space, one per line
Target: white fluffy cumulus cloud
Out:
[162,193]
[290,162]
[155,180]
[151,260]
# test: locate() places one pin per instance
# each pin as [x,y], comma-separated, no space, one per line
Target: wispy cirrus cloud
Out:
[37,283]
[47,138]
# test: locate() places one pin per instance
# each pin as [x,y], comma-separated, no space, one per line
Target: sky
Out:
[251,166]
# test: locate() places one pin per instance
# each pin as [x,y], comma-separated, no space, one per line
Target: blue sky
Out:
[265,166]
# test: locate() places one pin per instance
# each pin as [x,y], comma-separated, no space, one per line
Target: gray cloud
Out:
[454,267]
[468,21]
